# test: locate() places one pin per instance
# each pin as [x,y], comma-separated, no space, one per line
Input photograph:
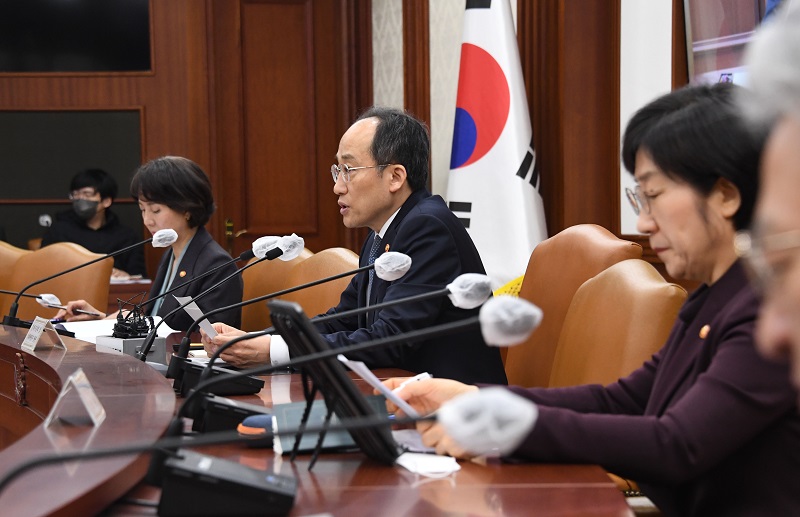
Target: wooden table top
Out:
[140,403]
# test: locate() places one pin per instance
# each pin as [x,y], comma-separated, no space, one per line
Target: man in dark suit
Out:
[380,180]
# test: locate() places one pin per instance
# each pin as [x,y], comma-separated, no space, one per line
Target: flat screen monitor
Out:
[39,36]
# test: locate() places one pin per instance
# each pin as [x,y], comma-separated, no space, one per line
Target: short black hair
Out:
[97,179]
[697,135]
[402,139]
[178,183]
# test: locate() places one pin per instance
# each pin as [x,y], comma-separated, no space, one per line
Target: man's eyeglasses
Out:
[754,250]
[346,171]
[638,200]
[82,194]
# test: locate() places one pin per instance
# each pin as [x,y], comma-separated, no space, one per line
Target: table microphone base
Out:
[199,485]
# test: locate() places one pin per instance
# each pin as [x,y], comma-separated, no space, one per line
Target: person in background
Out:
[772,247]
[174,192]
[700,423]
[93,225]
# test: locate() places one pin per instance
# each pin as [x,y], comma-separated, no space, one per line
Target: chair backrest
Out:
[266,277]
[89,283]
[616,321]
[318,299]
[8,257]
[557,267]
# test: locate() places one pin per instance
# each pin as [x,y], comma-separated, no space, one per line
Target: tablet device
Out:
[330,377]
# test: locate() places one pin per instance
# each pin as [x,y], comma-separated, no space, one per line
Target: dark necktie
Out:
[373,254]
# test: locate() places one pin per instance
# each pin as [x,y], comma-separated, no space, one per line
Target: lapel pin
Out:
[387,248]
[704,331]
[182,274]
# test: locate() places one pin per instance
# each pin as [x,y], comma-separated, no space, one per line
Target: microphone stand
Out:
[177,371]
[151,336]
[12,320]
[322,319]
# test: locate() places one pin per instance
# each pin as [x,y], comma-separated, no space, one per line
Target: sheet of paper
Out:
[430,465]
[89,330]
[361,369]
[194,312]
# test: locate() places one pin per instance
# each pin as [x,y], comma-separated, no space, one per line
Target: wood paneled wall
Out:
[223,85]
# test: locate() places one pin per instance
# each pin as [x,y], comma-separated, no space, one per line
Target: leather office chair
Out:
[8,257]
[557,267]
[89,283]
[601,342]
[318,299]
[267,277]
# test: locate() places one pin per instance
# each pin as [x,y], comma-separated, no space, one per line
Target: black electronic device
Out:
[223,414]
[199,485]
[331,379]
[231,386]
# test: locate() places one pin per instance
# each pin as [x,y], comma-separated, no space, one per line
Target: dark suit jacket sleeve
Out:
[435,263]
[736,398]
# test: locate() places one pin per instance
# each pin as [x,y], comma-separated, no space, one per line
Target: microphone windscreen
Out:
[489,421]
[47,299]
[247,255]
[292,245]
[164,238]
[392,265]
[470,290]
[508,320]
[263,244]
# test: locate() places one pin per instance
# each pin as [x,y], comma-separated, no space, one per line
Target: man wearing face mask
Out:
[93,225]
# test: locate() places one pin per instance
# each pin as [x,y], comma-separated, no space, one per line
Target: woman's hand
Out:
[70,312]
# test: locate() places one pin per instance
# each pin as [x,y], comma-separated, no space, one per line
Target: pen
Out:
[79,311]
[419,377]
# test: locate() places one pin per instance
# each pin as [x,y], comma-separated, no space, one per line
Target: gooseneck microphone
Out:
[503,321]
[160,239]
[388,266]
[489,421]
[466,291]
[266,248]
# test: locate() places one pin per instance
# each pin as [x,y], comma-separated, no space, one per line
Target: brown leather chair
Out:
[89,283]
[318,299]
[601,342]
[267,277]
[617,320]
[8,257]
[557,267]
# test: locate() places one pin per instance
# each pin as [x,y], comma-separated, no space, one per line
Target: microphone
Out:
[266,248]
[467,291]
[503,320]
[490,421]
[259,249]
[388,266]
[160,239]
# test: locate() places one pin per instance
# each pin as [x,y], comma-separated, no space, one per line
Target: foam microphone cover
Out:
[489,421]
[263,244]
[392,265]
[164,238]
[48,299]
[508,320]
[470,290]
[291,245]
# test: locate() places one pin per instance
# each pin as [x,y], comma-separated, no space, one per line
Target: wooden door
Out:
[287,77]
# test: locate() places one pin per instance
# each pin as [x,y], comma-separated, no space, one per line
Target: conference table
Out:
[140,403]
